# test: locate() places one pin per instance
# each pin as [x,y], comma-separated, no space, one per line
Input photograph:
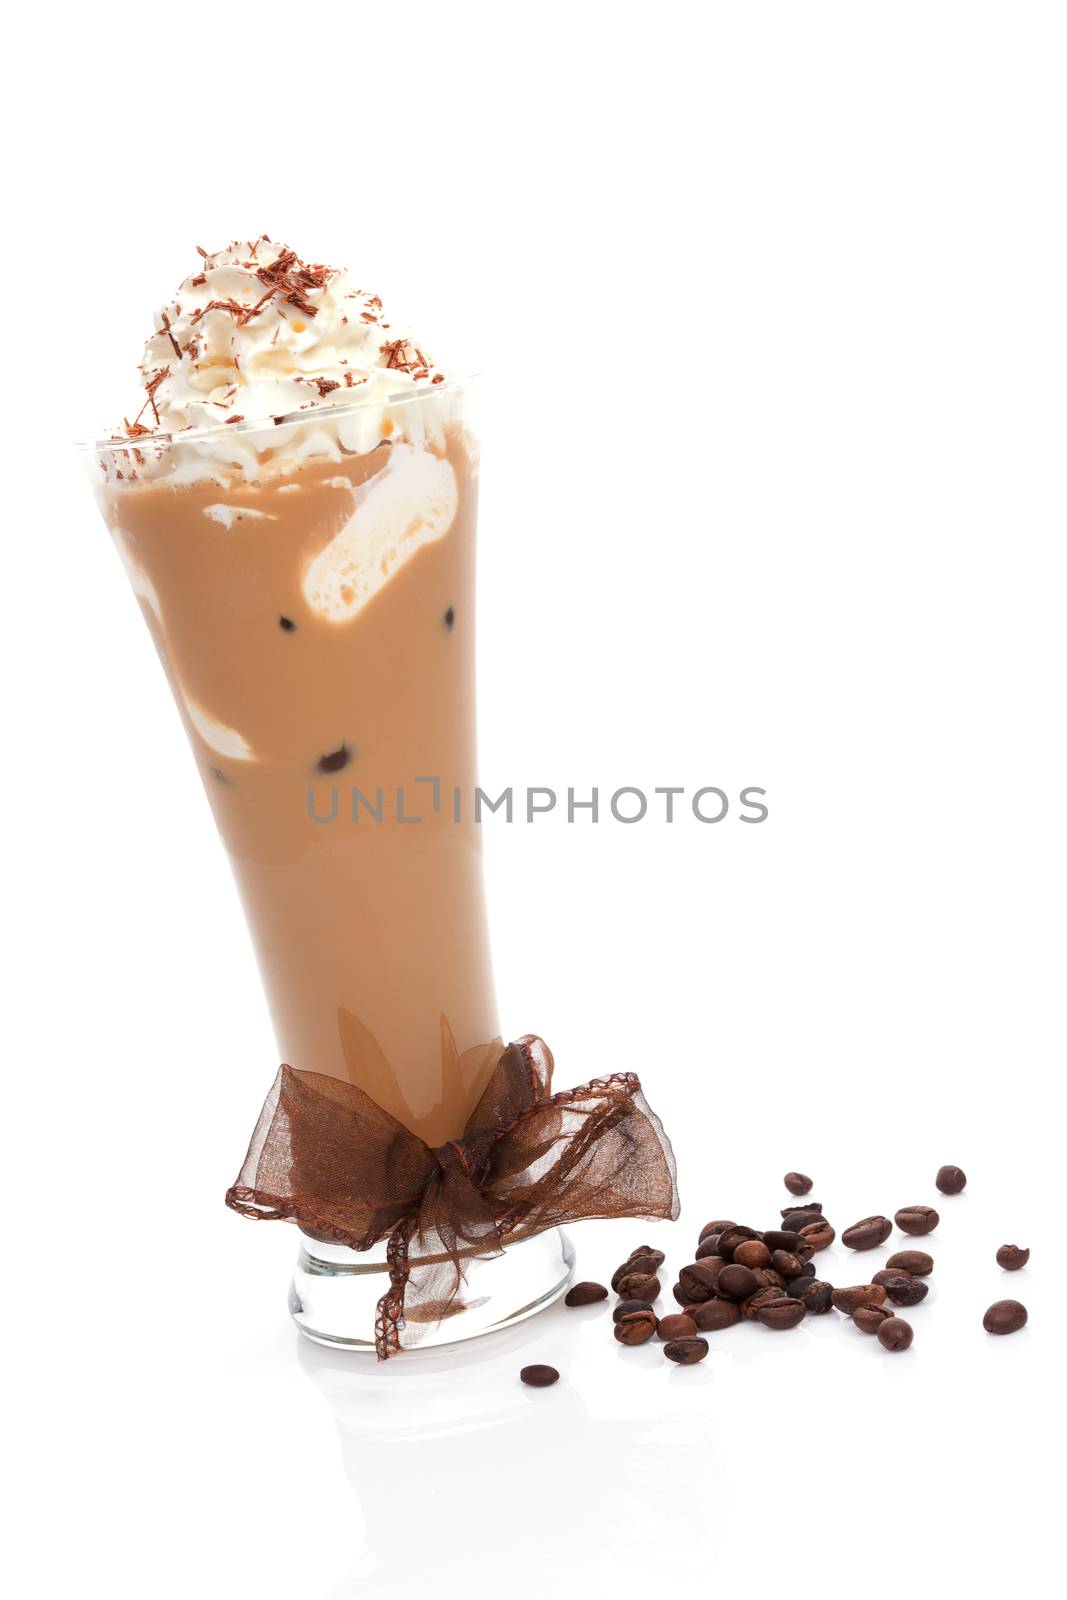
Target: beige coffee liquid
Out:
[371,936]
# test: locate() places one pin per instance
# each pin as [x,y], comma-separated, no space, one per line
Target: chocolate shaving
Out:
[166,328]
[292,278]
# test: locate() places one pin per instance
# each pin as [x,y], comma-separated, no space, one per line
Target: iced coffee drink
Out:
[295,505]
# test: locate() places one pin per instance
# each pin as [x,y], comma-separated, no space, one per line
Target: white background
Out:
[772,297]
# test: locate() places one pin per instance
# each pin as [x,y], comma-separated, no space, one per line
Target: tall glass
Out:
[309,585]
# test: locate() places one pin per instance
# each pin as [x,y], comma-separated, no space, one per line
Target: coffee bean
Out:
[636,1327]
[1005,1316]
[860,1294]
[951,1180]
[902,1288]
[895,1334]
[585,1294]
[917,1262]
[686,1351]
[818,1235]
[801,1219]
[783,1239]
[730,1238]
[736,1283]
[916,1219]
[708,1246]
[698,1281]
[814,1295]
[642,1260]
[539,1377]
[626,1307]
[715,1314]
[781,1314]
[750,1308]
[1011,1257]
[787,1213]
[752,1253]
[679,1326]
[638,1286]
[716,1227]
[868,1234]
[785,1262]
[767,1278]
[797,1183]
[870,1318]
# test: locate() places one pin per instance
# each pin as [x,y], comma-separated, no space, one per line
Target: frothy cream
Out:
[254,335]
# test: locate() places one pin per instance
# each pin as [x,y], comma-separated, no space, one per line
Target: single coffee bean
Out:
[895,1334]
[636,1263]
[698,1281]
[903,1289]
[539,1377]
[917,1262]
[797,1183]
[636,1327]
[868,1234]
[783,1239]
[893,1278]
[708,1246]
[638,1286]
[767,1278]
[626,1307]
[1005,1316]
[951,1180]
[714,1264]
[585,1294]
[642,1251]
[750,1308]
[737,1283]
[686,1351]
[916,1219]
[715,1227]
[787,1213]
[818,1235]
[712,1315]
[1011,1257]
[780,1314]
[752,1253]
[730,1238]
[785,1262]
[860,1294]
[678,1326]
[814,1295]
[800,1220]
[870,1318]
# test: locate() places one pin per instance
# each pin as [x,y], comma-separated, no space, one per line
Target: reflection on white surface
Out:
[459,1471]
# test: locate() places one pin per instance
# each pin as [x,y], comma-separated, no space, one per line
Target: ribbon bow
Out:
[326,1156]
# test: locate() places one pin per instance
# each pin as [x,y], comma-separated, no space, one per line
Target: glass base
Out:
[335,1291]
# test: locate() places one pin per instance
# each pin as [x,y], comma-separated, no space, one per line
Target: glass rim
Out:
[98,444]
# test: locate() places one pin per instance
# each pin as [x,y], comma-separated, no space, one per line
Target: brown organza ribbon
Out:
[326,1156]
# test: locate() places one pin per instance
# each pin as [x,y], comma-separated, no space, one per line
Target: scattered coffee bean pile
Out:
[768,1276]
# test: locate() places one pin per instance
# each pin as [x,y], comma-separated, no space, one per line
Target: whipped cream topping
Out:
[256,333]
